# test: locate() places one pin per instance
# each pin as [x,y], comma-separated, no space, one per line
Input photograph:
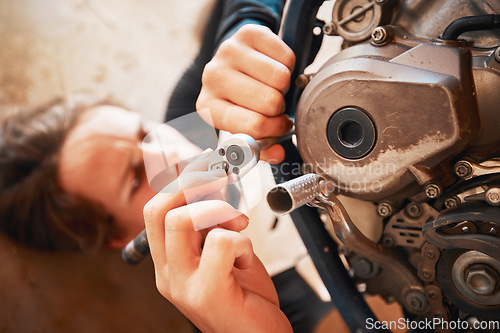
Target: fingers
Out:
[236,119]
[274,154]
[223,251]
[243,85]
[265,41]
[251,93]
[183,243]
[156,209]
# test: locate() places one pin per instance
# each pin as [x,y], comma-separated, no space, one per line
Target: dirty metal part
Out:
[405,230]
[470,279]
[497,54]
[405,287]
[469,189]
[427,267]
[428,20]
[456,228]
[365,77]
[356,19]
[290,195]
[468,169]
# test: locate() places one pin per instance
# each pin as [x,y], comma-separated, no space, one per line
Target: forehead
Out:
[97,151]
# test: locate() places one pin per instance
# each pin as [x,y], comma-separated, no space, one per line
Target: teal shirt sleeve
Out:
[237,13]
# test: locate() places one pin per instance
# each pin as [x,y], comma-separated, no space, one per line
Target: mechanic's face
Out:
[101,160]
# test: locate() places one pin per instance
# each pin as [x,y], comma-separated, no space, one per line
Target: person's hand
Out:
[244,84]
[220,286]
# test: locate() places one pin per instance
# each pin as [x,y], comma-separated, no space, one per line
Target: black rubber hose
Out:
[470,23]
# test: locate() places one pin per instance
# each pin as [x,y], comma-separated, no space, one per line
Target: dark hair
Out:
[34,210]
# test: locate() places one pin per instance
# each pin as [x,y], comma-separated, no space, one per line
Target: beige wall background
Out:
[132,50]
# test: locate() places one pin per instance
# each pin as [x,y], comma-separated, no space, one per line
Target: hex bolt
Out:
[416,301]
[493,196]
[497,54]
[329,29]
[384,209]
[432,191]
[463,169]
[451,202]
[362,268]
[414,210]
[481,280]
[379,35]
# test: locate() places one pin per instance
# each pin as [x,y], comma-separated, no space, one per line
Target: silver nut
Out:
[463,169]
[493,196]
[481,280]
[432,191]
[379,35]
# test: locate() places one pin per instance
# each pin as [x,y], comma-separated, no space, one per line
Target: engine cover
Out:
[375,118]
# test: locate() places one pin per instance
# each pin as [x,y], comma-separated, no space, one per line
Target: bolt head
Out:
[384,209]
[379,35]
[432,191]
[451,202]
[493,196]
[463,169]
[481,280]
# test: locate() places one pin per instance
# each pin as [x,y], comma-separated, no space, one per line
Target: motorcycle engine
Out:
[410,121]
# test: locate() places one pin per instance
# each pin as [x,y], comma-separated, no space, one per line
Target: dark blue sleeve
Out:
[237,13]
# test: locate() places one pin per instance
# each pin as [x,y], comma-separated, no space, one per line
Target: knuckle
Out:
[211,72]
[219,238]
[274,101]
[258,126]
[288,58]
[282,77]
[226,48]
